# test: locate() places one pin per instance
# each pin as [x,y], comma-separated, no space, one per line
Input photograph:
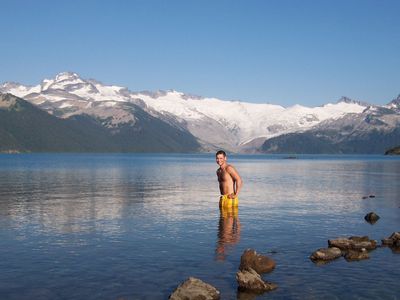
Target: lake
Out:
[134,226]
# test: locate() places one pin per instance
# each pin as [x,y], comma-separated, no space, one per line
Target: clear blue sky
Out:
[282,52]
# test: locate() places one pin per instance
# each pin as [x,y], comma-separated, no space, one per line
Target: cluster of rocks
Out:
[252,265]
[369,196]
[353,248]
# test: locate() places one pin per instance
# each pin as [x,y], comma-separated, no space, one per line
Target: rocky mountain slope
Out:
[26,128]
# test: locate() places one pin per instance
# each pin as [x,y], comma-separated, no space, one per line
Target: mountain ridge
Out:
[232,125]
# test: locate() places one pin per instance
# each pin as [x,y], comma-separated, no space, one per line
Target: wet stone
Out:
[353,255]
[250,280]
[259,263]
[194,288]
[326,254]
[392,241]
[371,218]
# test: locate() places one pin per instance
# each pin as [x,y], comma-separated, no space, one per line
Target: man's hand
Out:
[232,196]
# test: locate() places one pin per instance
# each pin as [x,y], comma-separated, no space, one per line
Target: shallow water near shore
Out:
[134,226]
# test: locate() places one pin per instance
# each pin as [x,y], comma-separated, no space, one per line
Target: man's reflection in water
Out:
[228,231]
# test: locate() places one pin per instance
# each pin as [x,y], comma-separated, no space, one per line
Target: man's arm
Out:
[237,181]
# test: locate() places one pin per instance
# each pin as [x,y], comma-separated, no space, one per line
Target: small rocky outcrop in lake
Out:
[352,255]
[371,218]
[251,266]
[250,280]
[259,263]
[353,243]
[393,151]
[393,240]
[326,254]
[352,248]
[194,288]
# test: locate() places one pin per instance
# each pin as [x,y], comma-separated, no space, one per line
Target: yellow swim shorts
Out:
[225,201]
[229,212]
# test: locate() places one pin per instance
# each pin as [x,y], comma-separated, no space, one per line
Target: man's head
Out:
[220,157]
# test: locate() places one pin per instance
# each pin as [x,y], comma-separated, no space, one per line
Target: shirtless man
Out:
[229,180]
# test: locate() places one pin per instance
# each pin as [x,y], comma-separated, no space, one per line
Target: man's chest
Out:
[223,176]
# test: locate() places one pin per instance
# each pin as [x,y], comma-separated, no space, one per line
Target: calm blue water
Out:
[134,226]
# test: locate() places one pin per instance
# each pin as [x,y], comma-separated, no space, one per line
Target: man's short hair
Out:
[220,152]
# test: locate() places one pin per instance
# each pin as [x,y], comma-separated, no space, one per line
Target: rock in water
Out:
[352,255]
[250,280]
[353,243]
[326,254]
[371,218]
[259,263]
[194,288]
[393,240]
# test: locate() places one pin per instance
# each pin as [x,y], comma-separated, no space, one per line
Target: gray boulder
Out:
[326,254]
[353,243]
[250,259]
[195,289]
[250,280]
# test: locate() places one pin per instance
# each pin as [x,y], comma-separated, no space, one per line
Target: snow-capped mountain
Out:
[233,125]
[394,104]
[375,130]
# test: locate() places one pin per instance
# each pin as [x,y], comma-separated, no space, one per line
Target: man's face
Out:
[221,159]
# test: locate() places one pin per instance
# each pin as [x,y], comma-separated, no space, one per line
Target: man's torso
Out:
[225,181]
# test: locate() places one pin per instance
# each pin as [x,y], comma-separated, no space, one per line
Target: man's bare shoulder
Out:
[232,171]
[230,168]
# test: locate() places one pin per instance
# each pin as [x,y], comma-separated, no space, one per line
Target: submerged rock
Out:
[396,249]
[353,243]
[259,263]
[194,288]
[326,254]
[246,295]
[352,255]
[371,218]
[250,280]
